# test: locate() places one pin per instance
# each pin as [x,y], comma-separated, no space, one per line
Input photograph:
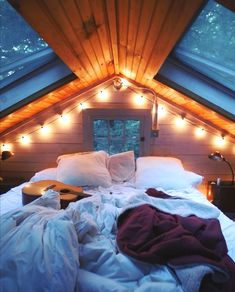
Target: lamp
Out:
[6,154]
[217,156]
[117,83]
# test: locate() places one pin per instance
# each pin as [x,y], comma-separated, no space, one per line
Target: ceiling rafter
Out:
[99,38]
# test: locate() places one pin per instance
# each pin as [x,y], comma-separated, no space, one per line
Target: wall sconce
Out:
[117,83]
[6,154]
[217,156]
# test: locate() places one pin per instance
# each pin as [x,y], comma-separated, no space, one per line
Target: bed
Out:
[127,236]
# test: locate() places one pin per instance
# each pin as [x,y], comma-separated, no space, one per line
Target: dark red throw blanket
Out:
[147,234]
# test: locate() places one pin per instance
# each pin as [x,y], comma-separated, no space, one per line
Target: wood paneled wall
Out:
[42,152]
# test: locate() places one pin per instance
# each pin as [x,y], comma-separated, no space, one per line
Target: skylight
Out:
[20,45]
[202,65]
[209,44]
[24,55]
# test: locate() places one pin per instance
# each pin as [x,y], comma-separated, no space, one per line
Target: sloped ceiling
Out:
[99,39]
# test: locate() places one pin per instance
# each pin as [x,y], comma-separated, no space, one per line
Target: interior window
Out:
[116,136]
[117,130]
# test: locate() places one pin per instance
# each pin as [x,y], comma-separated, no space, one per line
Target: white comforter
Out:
[46,249]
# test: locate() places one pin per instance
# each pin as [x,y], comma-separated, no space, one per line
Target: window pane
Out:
[116,136]
[133,144]
[116,146]
[209,44]
[18,42]
[101,144]
[116,128]
[132,128]
[100,128]
[27,64]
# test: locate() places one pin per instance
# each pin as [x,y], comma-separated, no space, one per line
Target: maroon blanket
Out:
[149,235]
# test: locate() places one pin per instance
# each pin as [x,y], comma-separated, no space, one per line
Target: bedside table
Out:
[7,184]
[223,196]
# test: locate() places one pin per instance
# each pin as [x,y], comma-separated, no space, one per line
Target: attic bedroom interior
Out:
[104,97]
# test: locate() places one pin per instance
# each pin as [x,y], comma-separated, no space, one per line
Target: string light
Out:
[82,105]
[45,130]
[125,83]
[6,147]
[139,99]
[180,122]
[103,95]
[220,141]
[65,119]
[200,132]
[25,140]
[161,111]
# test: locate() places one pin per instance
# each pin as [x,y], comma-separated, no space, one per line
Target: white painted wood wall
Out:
[42,152]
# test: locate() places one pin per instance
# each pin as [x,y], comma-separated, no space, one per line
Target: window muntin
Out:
[116,136]
[209,45]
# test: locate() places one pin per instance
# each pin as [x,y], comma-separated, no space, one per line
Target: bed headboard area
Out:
[40,141]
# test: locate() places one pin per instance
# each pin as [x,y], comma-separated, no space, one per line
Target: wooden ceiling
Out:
[99,39]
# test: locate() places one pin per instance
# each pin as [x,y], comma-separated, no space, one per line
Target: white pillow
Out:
[121,166]
[84,170]
[193,178]
[71,154]
[163,172]
[45,174]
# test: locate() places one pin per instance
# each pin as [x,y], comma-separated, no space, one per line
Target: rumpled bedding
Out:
[191,245]
[46,249]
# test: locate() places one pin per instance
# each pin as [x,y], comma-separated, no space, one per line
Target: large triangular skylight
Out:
[209,44]
[202,65]
[24,58]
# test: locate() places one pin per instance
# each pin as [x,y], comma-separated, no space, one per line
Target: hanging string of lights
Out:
[159,109]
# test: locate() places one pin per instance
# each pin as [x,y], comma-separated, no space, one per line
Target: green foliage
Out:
[212,35]
[116,136]
[18,39]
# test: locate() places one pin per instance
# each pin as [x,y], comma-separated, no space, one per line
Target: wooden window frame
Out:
[144,115]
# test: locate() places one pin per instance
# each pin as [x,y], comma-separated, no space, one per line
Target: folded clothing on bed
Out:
[153,236]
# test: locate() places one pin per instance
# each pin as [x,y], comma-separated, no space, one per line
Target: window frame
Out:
[144,115]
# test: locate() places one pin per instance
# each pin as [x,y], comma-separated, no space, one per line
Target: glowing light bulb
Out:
[4,147]
[180,122]
[200,132]
[125,83]
[162,111]
[65,119]
[139,99]
[103,94]
[25,140]
[220,141]
[45,129]
[82,105]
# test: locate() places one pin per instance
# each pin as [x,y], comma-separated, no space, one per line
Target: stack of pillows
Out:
[100,169]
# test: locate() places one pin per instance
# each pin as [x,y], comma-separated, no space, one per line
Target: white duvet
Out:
[46,249]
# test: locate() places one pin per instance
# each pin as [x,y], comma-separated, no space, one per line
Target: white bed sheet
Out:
[99,267]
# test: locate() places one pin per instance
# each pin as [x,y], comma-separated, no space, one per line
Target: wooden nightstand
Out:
[223,195]
[7,184]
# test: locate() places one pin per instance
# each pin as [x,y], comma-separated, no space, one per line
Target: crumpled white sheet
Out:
[45,249]
[99,255]
[39,249]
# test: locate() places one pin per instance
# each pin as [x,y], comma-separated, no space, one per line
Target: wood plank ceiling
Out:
[99,39]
